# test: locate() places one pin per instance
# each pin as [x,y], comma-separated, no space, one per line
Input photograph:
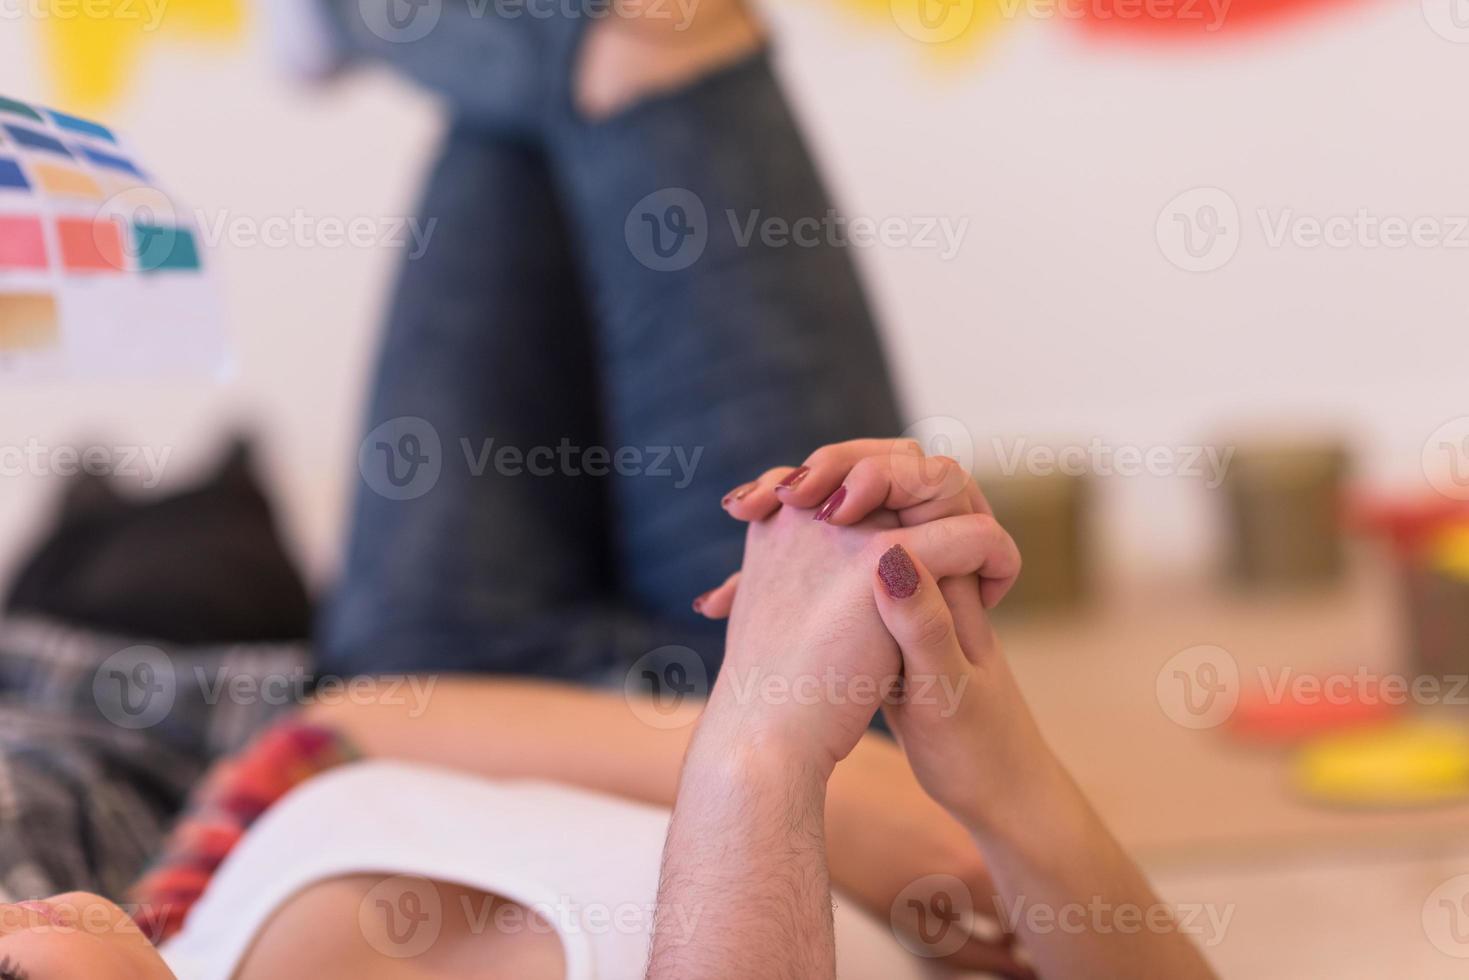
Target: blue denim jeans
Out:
[590,353]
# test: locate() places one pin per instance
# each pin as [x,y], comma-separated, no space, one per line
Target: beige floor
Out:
[1344,918]
[1316,892]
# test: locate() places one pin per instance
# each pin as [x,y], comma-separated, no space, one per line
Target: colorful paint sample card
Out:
[101,273]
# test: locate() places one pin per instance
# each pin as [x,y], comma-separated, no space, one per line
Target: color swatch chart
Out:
[101,273]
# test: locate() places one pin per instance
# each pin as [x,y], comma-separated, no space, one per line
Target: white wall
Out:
[1060,320]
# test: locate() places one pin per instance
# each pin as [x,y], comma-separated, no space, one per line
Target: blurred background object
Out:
[93,61]
[204,564]
[1286,514]
[1047,516]
[1414,764]
[1438,604]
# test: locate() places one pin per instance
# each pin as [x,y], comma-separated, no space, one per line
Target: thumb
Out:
[915,613]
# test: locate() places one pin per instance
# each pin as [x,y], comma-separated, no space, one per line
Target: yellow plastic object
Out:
[1449,552]
[1411,764]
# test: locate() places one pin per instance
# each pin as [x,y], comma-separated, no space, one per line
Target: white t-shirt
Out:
[588,863]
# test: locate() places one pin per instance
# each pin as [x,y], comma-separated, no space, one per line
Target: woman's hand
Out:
[971,740]
[873,801]
[982,757]
[846,483]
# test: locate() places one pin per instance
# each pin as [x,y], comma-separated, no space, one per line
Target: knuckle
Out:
[941,535]
[948,474]
[985,525]
[932,626]
[934,477]
[1013,551]
[824,456]
[959,477]
[864,468]
[908,447]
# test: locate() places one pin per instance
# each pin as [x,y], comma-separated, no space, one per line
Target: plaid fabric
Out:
[231,798]
[102,737]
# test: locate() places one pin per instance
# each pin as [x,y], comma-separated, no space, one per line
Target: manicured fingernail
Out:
[794,478]
[699,602]
[898,575]
[832,503]
[738,493]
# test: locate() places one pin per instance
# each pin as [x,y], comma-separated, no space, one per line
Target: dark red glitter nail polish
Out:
[896,570]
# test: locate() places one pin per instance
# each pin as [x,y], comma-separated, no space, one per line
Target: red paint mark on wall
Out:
[1169,20]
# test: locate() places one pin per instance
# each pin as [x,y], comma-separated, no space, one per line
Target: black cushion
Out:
[205,565]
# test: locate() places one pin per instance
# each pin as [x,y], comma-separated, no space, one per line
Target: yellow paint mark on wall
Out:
[942,27]
[93,49]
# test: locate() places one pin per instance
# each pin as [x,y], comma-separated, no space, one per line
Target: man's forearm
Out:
[744,890]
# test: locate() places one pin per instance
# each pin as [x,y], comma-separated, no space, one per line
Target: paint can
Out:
[1285,510]
[1048,518]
